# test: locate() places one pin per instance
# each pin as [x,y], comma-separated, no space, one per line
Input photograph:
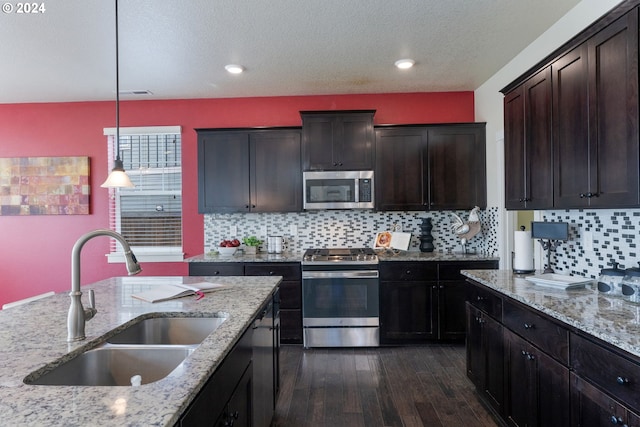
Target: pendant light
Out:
[118,177]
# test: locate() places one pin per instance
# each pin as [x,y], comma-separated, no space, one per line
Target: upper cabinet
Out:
[249,171]
[592,111]
[337,140]
[595,119]
[527,150]
[430,167]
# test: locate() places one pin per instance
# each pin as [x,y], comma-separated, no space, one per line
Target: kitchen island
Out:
[543,356]
[34,334]
[610,319]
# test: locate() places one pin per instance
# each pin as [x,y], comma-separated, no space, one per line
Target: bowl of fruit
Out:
[228,247]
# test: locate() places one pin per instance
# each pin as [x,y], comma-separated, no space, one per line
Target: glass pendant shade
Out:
[118,177]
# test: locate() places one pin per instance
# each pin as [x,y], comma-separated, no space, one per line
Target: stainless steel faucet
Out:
[78,315]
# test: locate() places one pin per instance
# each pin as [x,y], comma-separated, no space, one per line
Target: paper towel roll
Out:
[523,252]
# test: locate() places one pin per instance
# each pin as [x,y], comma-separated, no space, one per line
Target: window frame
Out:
[143,253]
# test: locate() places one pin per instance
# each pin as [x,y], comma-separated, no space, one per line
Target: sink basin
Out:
[115,366]
[168,331]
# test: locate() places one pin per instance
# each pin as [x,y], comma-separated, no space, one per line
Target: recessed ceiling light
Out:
[234,69]
[403,64]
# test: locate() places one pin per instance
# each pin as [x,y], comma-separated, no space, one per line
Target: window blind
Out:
[149,215]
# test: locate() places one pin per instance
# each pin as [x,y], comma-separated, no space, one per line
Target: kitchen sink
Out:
[168,331]
[151,348]
[115,366]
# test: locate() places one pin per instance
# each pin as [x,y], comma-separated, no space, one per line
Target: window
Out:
[149,216]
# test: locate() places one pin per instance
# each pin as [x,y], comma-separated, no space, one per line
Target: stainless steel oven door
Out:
[340,298]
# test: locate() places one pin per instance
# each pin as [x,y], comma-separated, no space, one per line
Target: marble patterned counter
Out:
[611,319]
[382,255]
[34,334]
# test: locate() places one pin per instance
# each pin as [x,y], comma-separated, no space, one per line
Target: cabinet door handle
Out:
[479,298]
[622,380]
[271,273]
[408,272]
[616,420]
[216,273]
[529,326]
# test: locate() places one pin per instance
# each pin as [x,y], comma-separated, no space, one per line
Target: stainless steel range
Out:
[340,306]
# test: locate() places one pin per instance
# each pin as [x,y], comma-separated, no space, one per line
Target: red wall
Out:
[35,251]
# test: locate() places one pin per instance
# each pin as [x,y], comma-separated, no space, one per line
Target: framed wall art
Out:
[44,186]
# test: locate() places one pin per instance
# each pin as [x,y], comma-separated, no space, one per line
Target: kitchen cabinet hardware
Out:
[622,380]
[528,326]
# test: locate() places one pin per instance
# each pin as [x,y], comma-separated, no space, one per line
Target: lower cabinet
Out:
[485,356]
[592,407]
[537,371]
[227,396]
[536,388]
[290,289]
[243,390]
[423,300]
[265,352]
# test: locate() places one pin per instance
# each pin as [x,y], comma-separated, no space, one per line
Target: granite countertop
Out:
[382,255]
[34,334]
[610,318]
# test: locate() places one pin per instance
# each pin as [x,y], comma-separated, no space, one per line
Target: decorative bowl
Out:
[226,250]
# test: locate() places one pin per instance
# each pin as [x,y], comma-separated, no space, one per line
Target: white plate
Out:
[559,281]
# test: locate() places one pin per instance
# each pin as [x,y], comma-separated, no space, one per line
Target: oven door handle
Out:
[351,274]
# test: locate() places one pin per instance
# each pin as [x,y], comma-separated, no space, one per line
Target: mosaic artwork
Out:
[44,186]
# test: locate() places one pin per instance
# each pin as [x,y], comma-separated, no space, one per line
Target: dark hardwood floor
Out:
[399,386]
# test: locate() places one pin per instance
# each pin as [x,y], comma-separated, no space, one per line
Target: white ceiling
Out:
[178,49]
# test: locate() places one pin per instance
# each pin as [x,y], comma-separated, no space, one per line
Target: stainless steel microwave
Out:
[338,189]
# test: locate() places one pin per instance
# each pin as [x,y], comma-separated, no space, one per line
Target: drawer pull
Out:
[616,420]
[271,273]
[529,326]
[480,298]
[622,380]
[408,272]
[528,355]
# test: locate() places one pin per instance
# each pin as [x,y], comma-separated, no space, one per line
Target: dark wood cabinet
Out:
[276,179]
[422,301]
[249,171]
[537,386]
[290,296]
[485,356]
[228,392]
[596,120]
[337,140]
[527,144]
[401,169]
[265,351]
[290,300]
[592,407]
[408,299]
[430,167]
[457,166]
[594,109]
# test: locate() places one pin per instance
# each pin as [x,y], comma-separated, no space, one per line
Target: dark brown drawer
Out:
[450,270]
[550,337]
[485,300]
[290,295]
[216,269]
[409,271]
[617,375]
[288,271]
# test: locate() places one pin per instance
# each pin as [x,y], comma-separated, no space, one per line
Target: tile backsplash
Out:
[348,228]
[615,235]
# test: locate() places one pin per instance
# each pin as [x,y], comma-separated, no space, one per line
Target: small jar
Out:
[610,280]
[630,285]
